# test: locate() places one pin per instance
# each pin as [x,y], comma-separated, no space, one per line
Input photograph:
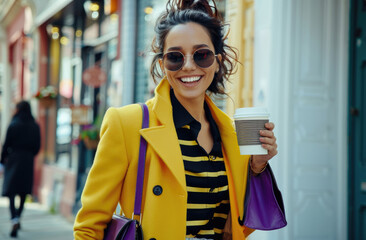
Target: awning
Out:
[48,10]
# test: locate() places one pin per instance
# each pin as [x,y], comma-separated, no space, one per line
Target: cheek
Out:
[212,71]
[211,74]
[170,76]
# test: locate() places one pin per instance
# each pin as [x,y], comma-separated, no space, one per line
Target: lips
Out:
[190,79]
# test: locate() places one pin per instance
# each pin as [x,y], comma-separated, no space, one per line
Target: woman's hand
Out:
[268,141]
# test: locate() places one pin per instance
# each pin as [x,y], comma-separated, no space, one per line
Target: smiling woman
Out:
[213,27]
[196,179]
[190,81]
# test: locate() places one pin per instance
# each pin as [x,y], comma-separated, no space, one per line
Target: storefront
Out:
[15,71]
[17,78]
[80,44]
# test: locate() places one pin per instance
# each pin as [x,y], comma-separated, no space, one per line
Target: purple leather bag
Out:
[263,205]
[121,227]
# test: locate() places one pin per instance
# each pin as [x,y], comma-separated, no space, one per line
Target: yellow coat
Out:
[112,177]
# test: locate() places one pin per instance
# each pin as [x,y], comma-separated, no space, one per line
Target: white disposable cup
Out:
[248,122]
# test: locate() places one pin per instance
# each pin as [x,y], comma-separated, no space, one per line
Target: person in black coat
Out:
[22,143]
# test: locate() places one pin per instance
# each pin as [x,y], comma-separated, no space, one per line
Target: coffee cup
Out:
[248,122]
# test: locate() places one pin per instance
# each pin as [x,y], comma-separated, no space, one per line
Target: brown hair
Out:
[200,12]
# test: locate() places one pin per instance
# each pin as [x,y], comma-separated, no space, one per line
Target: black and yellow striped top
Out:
[206,179]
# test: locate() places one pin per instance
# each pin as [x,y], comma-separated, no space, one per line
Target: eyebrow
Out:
[194,47]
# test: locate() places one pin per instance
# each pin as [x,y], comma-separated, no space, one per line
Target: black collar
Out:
[182,117]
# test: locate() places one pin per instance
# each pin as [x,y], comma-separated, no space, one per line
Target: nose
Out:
[189,63]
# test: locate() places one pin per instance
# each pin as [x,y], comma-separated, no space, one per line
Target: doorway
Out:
[357,121]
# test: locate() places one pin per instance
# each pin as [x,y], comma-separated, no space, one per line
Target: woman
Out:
[21,145]
[195,177]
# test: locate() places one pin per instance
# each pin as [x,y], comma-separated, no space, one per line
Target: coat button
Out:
[157,190]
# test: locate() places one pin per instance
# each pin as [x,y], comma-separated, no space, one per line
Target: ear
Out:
[161,65]
[218,59]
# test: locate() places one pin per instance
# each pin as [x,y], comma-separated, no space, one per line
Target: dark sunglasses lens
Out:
[173,61]
[204,58]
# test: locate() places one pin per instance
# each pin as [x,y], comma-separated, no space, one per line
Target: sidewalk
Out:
[36,223]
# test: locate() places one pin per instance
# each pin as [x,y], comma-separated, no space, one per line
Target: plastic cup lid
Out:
[251,112]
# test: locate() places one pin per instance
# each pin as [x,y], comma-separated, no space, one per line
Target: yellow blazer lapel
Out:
[161,136]
[236,164]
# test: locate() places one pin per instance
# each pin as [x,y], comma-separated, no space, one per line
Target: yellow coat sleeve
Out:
[103,186]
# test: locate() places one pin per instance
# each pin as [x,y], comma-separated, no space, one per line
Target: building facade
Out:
[306,65]
[303,60]
[69,46]
[301,73]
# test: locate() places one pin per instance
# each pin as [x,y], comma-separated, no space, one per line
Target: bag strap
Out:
[141,165]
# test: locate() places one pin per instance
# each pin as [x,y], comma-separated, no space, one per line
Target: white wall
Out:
[45,9]
[300,74]
[128,47]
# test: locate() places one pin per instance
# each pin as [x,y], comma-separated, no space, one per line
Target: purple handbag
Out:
[121,227]
[263,205]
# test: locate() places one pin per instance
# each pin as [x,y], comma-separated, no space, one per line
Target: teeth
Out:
[190,79]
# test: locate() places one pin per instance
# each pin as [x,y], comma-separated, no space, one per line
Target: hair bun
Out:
[199,5]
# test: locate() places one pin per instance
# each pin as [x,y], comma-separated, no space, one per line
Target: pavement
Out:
[37,223]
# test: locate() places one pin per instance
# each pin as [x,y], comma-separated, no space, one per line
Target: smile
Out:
[190,79]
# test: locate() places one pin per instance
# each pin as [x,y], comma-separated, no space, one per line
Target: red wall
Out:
[15,39]
[43,55]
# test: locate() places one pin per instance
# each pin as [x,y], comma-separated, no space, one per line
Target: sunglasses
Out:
[174,61]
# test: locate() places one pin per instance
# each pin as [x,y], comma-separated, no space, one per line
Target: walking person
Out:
[22,143]
[195,177]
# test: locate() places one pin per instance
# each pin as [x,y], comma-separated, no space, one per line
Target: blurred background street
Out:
[305,61]
[37,223]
